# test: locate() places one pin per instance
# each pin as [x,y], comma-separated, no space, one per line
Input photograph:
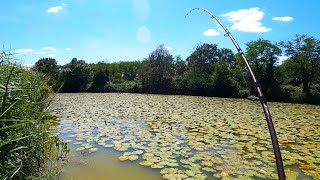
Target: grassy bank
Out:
[25,143]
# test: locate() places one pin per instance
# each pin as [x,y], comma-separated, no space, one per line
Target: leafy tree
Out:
[124,71]
[263,55]
[227,55]
[75,76]
[157,71]
[129,70]
[202,59]
[304,53]
[50,69]
[292,72]
[197,77]
[240,73]
[179,66]
[115,73]
[201,64]
[224,82]
[100,77]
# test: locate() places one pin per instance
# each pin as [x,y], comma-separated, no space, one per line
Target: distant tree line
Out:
[208,71]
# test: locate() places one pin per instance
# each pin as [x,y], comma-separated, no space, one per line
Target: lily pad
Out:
[133,157]
[123,158]
[91,150]
[196,134]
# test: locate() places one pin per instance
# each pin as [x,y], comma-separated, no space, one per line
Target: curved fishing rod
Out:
[262,99]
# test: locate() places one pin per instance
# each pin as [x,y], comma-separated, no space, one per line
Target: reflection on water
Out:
[101,165]
[104,165]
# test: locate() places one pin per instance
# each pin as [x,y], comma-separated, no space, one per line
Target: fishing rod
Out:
[262,99]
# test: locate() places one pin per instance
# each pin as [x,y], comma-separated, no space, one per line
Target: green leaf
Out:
[8,109]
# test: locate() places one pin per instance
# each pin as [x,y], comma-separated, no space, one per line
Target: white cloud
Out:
[39,53]
[56,9]
[27,65]
[23,50]
[168,48]
[283,58]
[143,34]
[283,18]
[68,49]
[51,55]
[211,32]
[247,20]
[49,49]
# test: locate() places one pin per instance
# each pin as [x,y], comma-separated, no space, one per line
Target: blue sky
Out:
[122,30]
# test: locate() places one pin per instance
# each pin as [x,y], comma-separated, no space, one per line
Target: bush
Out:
[314,97]
[288,93]
[244,93]
[193,84]
[125,86]
[179,84]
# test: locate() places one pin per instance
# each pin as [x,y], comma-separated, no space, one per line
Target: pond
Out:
[138,136]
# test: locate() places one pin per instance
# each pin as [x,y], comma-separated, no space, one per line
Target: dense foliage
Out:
[25,144]
[208,71]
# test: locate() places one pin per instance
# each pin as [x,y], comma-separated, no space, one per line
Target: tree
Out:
[100,77]
[197,77]
[50,69]
[114,73]
[129,70]
[157,71]
[263,55]
[179,66]
[304,54]
[227,55]
[202,59]
[224,83]
[201,63]
[75,76]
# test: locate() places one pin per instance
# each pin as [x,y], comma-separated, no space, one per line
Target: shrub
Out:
[288,93]
[124,86]
[244,93]
[314,97]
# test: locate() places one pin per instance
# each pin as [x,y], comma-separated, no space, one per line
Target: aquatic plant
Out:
[196,136]
[25,143]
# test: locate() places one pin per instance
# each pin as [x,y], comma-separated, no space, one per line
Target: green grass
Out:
[26,146]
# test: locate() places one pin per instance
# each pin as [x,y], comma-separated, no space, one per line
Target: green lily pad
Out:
[133,157]
[80,148]
[196,134]
[146,163]
[91,150]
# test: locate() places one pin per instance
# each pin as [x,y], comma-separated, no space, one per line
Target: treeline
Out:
[208,71]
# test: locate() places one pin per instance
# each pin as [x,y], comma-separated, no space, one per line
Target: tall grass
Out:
[25,143]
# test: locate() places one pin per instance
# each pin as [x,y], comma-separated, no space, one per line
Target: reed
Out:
[26,145]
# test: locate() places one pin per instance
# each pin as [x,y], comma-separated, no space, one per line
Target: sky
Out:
[128,30]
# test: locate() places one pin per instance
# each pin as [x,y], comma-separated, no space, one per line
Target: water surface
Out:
[135,136]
